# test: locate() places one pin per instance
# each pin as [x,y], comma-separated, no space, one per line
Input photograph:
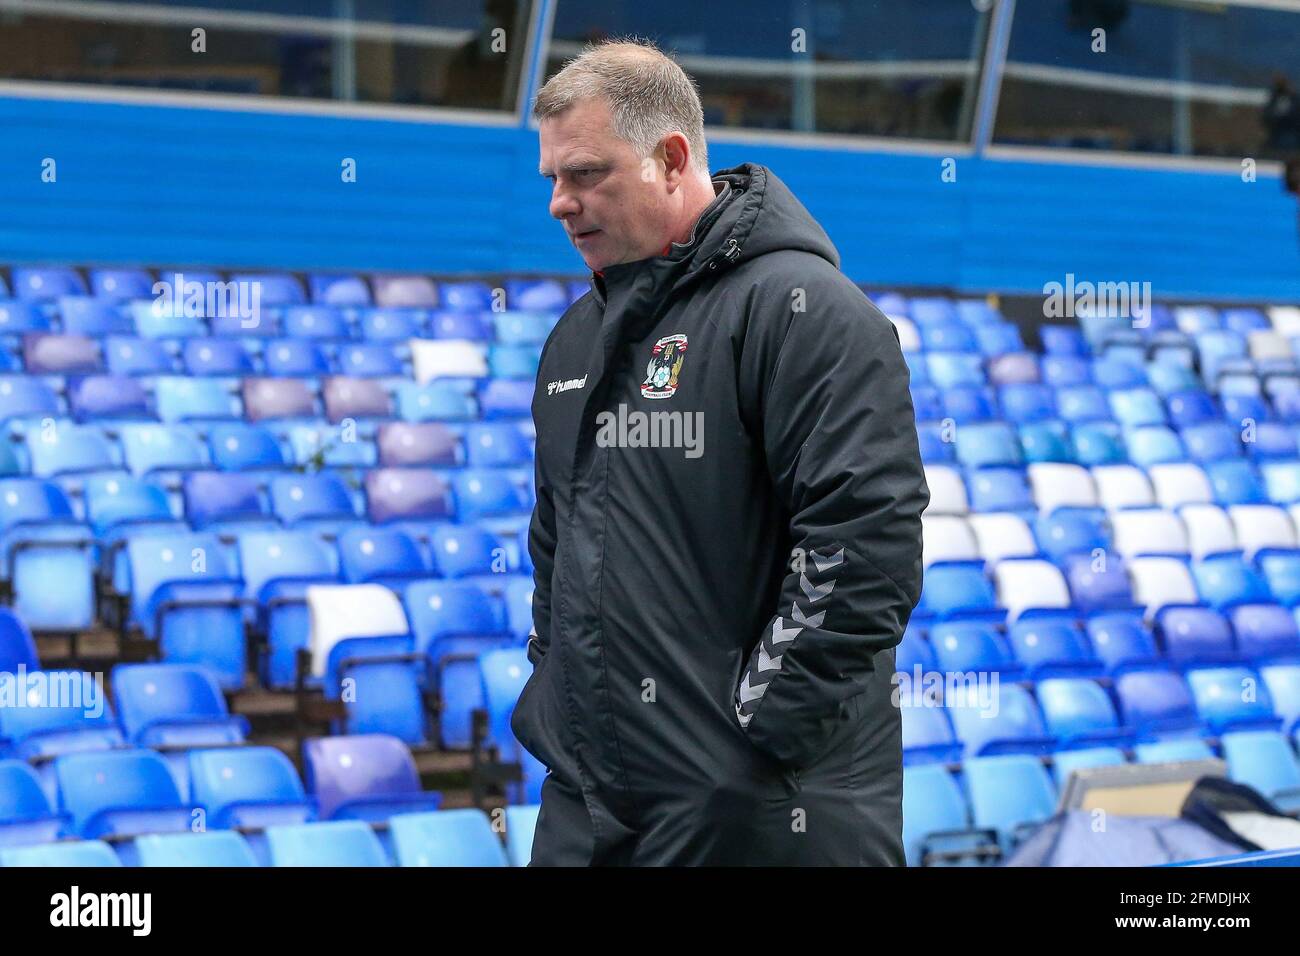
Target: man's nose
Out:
[563,204]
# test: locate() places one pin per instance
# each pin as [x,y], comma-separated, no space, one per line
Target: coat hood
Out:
[759,215]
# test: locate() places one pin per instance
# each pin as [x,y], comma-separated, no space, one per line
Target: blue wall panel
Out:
[167,185]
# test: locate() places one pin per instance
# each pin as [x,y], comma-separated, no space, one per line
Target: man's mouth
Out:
[584,234]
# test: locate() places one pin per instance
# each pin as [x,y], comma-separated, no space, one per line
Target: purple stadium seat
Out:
[364,777]
[399,494]
[404,291]
[405,444]
[355,398]
[266,398]
[60,354]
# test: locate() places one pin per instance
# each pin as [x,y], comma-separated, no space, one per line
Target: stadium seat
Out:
[223,500]
[1265,632]
[189,399]
[248,787]
[241,447]
[1158,581]
[26,814]
[521,824]
[149,448]
[1232,698]
[213,356]
[80,853]
[927,732]
[1051,645]
[1002,536]
[331,843]
[446,838]
[120,793]
[1000,489]
[312,501]
[1066,762]
[1157,703]
[218,848]
[185,594]
[275,398]
[1264,760]
[971,647]
[108,398]
[46,556]
[1028,585]
[956,590]
[425,444]
[173,705]
[1011,794]
[355,398]
[367,777]
[128,356]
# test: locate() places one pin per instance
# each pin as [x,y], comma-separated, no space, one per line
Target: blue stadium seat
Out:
[1153,445]
[1212,441]
[22,397]
[505,399]
[18,318]
[174,705]
[957,589]
[314,322]
[84,315]
[248,787]
[275,289]
[225,500]
[536,295]
[149,448]
[389,325]
[936,821]
[1265,632]
[369,361]
[1051,645]
[105,398]
[521,328]
[1082,403]
[186,595]
[60,448]
[158,320]
[1232,698]
[217,848]
[1078,712]
[1012,723]
[380,555]
[1028,402]
[212,356]
[1098,443]
[1112,374]
[1046,442]
[947,337]
[42,283]
[316,501]
[521,825]
[17,649]
[1281,571]
[1195,635]
[1011,794]
[927,733]
[1264,760]
[367,777]
[1066,762]
[461,837]
[1191,407]
[453,623]
[1173,751]
[987,445]
[465,296]
[329,446]
[187,399]
[120,793]
[80,853]
[26,814]
[437,401]
[504,673]
[237,446]
[471,326]
[1226,580]
[1235,482]
[461,551]
[1157,703]
[125,355]
[294,358]
[339,290]
[46,556]
[487,493]
[1136,407]
[388,686]
[1061,371]
[332,843]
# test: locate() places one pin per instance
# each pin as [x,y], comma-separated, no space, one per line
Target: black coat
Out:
[718,594]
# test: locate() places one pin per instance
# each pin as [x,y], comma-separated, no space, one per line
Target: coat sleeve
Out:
[836,422]
[541,549]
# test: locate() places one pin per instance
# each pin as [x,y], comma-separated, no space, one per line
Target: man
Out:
[727,538]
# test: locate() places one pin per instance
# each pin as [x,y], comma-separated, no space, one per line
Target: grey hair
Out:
[649,95]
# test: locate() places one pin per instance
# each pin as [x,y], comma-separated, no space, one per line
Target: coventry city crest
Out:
[664,367]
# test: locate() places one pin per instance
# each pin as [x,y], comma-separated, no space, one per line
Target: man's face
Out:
[611,211]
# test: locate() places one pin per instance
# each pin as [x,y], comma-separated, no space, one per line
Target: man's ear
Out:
[675,152]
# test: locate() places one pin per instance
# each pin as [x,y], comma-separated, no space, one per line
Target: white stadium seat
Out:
[1180,483]
[947,491]
[1285,319]
[1025,583]
[947,538]
[339,611]
[1262,526]
[908,337]
[1148,531]
[1122,486]
[447,358]
[1003,535]
[1209,530]
[1059,485]
[1161,581]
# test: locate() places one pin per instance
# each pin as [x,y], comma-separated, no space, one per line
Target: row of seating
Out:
[258,399]
[44,284]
